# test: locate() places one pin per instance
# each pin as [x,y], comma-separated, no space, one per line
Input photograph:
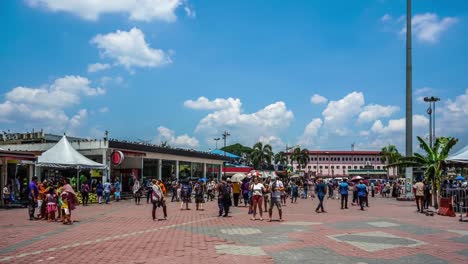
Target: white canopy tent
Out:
[63,155]
[461,156]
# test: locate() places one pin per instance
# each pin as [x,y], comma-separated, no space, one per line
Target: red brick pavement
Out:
[125,233]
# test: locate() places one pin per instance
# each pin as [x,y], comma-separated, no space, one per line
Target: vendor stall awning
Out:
[63,155]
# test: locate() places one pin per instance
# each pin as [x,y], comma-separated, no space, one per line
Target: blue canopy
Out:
[224,153]
[459,178]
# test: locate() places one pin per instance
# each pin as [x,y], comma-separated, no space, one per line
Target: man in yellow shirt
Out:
[236,190]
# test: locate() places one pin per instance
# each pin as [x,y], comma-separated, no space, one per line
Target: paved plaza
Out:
[388,232]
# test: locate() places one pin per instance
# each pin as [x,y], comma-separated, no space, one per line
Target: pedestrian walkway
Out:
[387,232]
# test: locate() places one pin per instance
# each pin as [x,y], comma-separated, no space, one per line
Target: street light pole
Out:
[216,140]
[431,112]
[225,135]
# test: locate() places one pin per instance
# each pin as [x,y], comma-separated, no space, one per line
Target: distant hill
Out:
[238,149]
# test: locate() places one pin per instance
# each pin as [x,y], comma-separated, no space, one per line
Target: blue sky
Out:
[322,74]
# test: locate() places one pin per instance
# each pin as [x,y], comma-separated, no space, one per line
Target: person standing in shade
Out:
[362,194]
[236,191]
[276,188]
[107,191]
[321,191]
[32,198]
[136,191]
[344,193]
[427,194]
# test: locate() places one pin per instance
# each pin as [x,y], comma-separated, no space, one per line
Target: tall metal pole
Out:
[429,112]
[409,100]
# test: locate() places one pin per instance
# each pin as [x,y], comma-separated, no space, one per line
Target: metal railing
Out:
[459,198]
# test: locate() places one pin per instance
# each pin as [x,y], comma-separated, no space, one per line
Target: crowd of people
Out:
[55,201]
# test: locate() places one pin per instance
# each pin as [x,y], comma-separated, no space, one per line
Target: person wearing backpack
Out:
[186,194]
[199,193]
[224,197]
[158,199]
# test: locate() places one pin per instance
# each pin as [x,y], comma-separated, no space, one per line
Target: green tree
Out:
[238,149]
[281,158]
[301,156]
[390,155]
[432,161]
[261,155]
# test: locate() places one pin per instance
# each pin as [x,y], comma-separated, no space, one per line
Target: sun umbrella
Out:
[254,173]
[459,178]
[203,179]
[238,177]
[356,178]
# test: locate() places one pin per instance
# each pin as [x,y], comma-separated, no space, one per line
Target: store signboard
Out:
[117,157]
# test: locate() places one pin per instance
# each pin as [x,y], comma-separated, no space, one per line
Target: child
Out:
[66,216]
[51,200]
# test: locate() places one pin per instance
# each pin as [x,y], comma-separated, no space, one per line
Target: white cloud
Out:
[453,117]
[45,106]
[374,111]
[203,103]
[104,109]
[138,10]
[339,113]
[311,131]
[399,125]
[275,142]
[183,141]
[318,99]
[95,67]
[429,27]
[130,49]
[227,114]
[386,18]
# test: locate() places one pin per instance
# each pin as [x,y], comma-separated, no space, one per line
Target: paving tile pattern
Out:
[125,233]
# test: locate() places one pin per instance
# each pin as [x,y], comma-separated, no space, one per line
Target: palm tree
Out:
[390,155]
[281,158]
[261,154]
[301,156]
[432,161]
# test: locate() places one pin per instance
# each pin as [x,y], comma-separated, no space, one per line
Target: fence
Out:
[459,198]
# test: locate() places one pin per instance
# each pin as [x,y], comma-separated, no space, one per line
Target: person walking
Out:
[267,193]
[118,189]
[344,193]
[419,194]
[245,191]
[294,192]
[33,192]
[330,190]
[149,190]
[236,191]
[321,191]
[210,189]
[107,191]
[306,189]
[199,190]
[137,191]
[84,193]
[276,188]
[427,194]
[224,197]
[257,199]
[158,199]
[362,193]
[99,191]
[186,195]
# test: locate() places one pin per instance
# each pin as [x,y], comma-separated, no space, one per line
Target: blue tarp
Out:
[221,152]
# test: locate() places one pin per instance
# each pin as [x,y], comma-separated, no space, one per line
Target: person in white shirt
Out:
[276,188]
[257,198]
